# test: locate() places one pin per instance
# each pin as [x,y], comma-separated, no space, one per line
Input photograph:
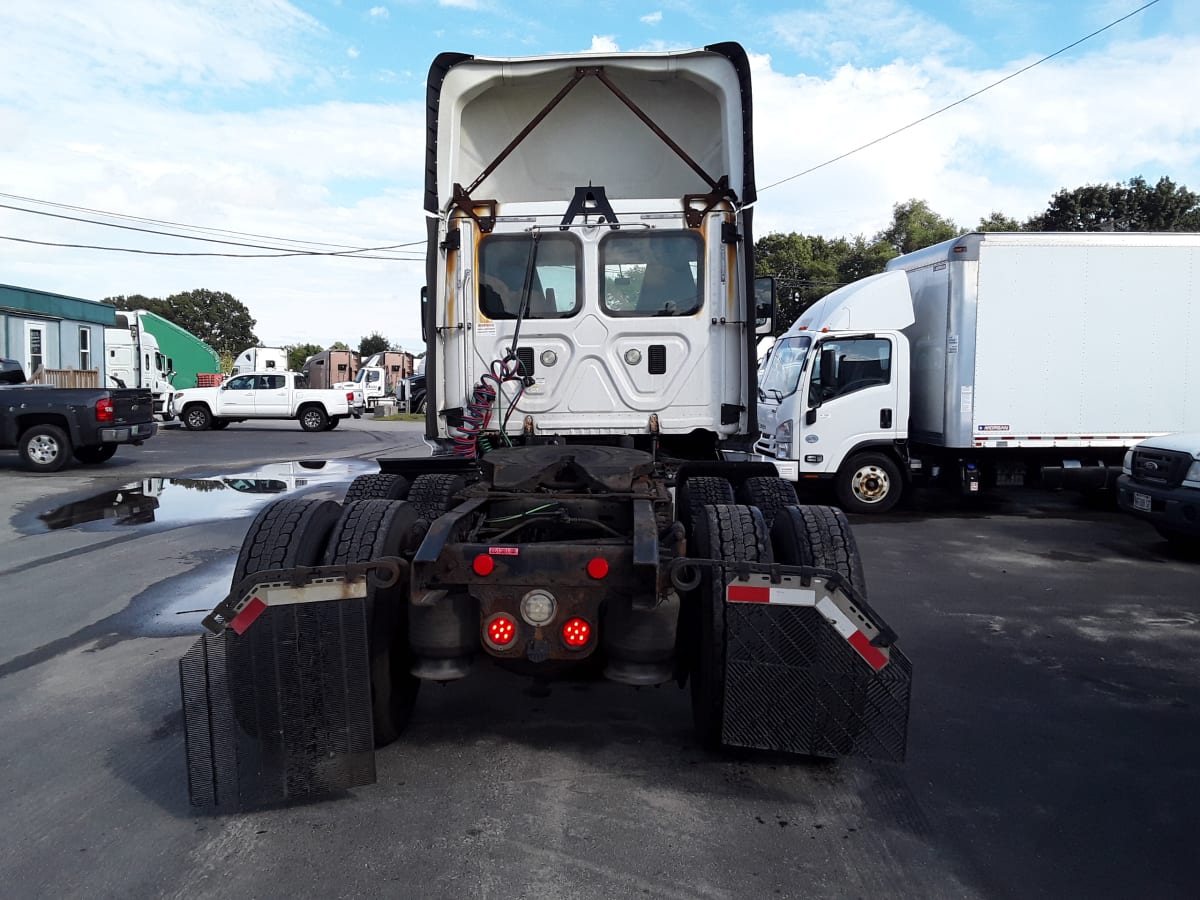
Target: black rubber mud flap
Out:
[281,712]
[803,674]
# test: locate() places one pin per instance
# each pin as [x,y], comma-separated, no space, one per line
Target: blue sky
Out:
[305,120]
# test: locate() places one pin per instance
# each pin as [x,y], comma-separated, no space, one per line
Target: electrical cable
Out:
[949,106]
[342,255]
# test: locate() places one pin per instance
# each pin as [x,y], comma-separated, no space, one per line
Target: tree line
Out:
[807,267]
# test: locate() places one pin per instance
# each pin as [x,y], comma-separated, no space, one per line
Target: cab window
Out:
[846,367]
[655,273]
[554,283]
[241,383]
[784,365]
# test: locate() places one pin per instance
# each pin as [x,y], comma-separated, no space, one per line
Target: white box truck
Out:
[991,359]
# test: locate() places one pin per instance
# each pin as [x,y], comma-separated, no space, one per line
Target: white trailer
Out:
[990,360]
[260,359]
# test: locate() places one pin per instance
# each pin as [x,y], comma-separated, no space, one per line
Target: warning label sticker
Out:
[504,551]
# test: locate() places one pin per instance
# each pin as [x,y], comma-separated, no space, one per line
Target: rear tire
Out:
[432,494]
[369,529]
[94,454]
[868,483]
[196,418]
[45,448]
[380,486]
[769,494]
[696,493]
[312,418]
[818,536]
[285,534]
[729,533]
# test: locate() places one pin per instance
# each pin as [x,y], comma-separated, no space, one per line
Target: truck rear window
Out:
[554,282]
[651,273]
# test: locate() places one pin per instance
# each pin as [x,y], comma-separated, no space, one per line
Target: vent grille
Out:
[525,355]
[656,362]
[1165,467]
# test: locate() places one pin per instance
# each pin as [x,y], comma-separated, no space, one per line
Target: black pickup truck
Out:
[48,425]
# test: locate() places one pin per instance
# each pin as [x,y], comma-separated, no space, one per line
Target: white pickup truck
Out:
[265,395]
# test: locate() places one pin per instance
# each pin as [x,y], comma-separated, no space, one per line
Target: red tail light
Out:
[350,397]
[597,568]
[501,630]
[576,633]
[105,411]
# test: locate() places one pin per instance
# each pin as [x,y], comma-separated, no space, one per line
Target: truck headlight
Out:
[783,439]
[1193,472]
[1127,463]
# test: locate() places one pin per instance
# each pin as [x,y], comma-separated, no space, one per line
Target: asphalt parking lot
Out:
[1053,747]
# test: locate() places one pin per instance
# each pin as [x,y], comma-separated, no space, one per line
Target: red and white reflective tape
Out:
[875,657]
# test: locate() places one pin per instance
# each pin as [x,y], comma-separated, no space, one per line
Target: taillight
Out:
[597,568]
[501,630]
[105,411]
[576,633]
[483,564]
[350,398]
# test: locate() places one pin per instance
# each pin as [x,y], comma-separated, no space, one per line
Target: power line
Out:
[188,237]
[342,254]
[949,106]
[114,215]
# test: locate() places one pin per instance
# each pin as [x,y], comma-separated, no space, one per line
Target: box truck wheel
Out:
[369,529]
[728,533]
[868,483]
[380,486]
[93,454]
[818,536]
[45,448]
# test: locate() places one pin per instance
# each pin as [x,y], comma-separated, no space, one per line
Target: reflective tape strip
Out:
[250,612]
[741,593]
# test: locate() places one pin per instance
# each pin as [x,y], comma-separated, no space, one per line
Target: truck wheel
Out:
[167,417]
[696,493]
[369,529]
[197,418]
[94,454]
[219,424]
[728,533]
[285,534]
[380,486]
[818,536]
[431,494]
[313,418]
[769,494]
[420,407]
[868,483]
[333,423]
[45,448]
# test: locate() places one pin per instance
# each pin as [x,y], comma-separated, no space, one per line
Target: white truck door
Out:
[271,395]
[235,398]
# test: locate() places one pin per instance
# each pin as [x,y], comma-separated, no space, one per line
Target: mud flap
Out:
[281,711]
[810,669]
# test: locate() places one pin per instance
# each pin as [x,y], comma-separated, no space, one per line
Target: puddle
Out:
[178,501]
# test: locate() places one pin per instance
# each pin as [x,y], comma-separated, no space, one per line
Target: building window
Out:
[35,340]
[85,349]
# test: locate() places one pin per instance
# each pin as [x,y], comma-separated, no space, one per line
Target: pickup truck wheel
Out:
[380,486]
[196,417]
[818,536]
[45,448]
[432,494]
[729,533]
[369,529]
[868,483]
[313,418]
[95,453]
[696,493]
[333,423]
[769,494]
[219,424]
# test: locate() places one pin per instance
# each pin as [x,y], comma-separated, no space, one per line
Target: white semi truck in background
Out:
[590,324]
[992,359]
[133,359]
[260,359]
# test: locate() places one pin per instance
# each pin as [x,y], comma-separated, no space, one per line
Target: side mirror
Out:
[810,417]
[764,304]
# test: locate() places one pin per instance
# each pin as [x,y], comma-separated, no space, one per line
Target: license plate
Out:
[1141,502]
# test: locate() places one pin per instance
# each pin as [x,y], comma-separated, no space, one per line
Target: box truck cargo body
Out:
[990,359]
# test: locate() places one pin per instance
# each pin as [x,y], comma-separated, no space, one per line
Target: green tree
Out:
[373,343]
[298,353]
[339,345]
[1132,206]
[914,226]
[998,221]
[216,317]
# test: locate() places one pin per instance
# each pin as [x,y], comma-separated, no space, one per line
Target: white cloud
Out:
[842,31]
[652,18]
[378,12]
[460,4]
[603,43]
[352,52]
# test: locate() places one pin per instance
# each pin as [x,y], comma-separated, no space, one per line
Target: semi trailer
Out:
[590,323]
[987,361]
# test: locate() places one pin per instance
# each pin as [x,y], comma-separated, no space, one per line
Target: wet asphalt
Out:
[1054,743]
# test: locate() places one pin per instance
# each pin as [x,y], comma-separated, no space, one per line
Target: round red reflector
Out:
[597,567]
[483,564]
[501,630]
[576,632]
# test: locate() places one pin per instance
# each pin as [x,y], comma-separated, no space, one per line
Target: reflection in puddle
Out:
[185,500]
